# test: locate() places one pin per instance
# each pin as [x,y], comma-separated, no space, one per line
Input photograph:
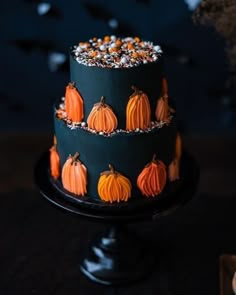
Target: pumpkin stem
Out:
[52,148]
[154,158]
[111,168]
[136,91]
[134,88]
[71,85]
[75,157]
[102,100]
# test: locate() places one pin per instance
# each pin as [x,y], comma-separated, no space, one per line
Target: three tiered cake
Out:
[115,131]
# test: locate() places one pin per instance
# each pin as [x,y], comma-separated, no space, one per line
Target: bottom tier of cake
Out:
[128,153]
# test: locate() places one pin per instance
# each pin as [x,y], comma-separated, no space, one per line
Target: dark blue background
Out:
[195,59]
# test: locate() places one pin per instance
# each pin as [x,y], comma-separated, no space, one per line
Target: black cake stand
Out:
[116,256]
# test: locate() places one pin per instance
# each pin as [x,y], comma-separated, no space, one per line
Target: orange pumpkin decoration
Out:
[163,109]
[74,105]
[74,176]
[102,118]
[54,162]
[113,186]
[178,147]
[138,111]
[164,87]
[54,139]
[151,181]
[173,170]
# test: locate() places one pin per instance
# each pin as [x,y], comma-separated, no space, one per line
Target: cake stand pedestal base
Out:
[118,257]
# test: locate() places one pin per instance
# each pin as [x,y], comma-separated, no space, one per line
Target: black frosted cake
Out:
[115,132]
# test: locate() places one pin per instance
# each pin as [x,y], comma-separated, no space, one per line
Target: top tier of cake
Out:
[113,52]
[110,66]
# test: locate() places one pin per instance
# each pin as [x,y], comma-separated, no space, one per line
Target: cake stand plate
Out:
[116,256]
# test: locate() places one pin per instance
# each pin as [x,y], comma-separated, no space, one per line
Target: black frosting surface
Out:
[115,84]
[128,153]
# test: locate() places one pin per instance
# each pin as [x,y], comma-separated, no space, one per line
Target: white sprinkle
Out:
[113,45]
[137,130]
[157,48]
[83,124]
[101,133]
[123,60]
[128,39]
[63,98]
[84,46]
[99,40]
[113,37]
[102,47]
[61,106]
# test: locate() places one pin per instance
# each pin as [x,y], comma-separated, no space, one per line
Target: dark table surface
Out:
[40,246]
